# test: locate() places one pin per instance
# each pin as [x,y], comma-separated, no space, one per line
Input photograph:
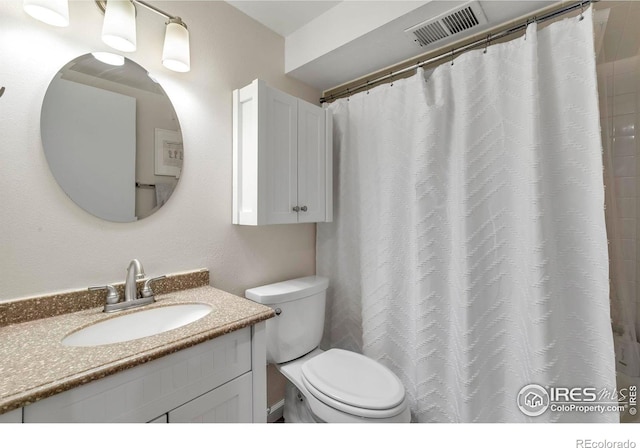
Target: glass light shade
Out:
[109,58]
[175,53]
[119,26]
[52,12]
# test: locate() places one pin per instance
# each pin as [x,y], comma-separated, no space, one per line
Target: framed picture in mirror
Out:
[168,153]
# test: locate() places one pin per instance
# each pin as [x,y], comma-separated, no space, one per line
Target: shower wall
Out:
[618,63]
[617,44]
[619,85]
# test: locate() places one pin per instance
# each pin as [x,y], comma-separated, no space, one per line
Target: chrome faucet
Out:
[135,271]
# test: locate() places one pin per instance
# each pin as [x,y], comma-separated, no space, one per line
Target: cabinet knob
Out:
[304,208]
[296,209]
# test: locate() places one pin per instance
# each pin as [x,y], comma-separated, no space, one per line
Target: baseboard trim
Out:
[275,412]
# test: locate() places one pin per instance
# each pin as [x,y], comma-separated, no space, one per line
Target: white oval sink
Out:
[137,325]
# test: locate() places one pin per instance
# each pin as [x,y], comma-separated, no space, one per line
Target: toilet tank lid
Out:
[288,290]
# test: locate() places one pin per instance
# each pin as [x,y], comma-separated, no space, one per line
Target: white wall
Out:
[340,25]
[48,244]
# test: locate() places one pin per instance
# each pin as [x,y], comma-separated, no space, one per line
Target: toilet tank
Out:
[299,322]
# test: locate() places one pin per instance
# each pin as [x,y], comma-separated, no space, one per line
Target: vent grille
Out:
[448,24]
[430,33]
[461,20]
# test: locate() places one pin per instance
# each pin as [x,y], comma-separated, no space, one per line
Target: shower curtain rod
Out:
[485,41]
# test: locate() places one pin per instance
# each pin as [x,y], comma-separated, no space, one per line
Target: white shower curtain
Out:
[468,251]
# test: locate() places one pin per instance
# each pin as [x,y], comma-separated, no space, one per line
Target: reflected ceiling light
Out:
[109,58]
[119,25]
[52,12]
[175,53]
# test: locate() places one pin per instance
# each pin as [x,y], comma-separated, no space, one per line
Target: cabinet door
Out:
[281,158]
[312,162]
[245,154]
[229,403]
[14,416]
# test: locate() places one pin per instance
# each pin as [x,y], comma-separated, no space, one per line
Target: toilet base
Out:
[296,407]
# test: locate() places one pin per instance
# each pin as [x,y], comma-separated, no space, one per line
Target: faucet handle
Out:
[146,288]
[112,294]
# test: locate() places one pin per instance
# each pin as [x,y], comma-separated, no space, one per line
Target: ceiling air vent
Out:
[452,22]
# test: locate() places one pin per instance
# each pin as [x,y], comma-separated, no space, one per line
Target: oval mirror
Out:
[111,137]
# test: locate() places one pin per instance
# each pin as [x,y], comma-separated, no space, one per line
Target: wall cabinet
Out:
[282,158]
[220,380]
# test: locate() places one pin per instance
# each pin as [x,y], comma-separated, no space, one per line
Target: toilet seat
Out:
[354,384]
[371,414]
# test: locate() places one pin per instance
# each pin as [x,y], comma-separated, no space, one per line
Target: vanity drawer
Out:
[143,392]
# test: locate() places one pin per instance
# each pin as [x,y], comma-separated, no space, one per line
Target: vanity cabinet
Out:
[282,158]
[220,380]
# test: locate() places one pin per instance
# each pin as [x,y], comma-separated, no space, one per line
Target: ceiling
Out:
[283,17]
[329,43]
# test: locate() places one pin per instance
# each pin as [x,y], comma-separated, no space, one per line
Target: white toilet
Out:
[336,386]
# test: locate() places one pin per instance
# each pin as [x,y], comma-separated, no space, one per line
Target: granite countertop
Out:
[35,365]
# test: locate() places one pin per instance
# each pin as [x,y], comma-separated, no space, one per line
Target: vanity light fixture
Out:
[119,25]
[175,53]
[52,12]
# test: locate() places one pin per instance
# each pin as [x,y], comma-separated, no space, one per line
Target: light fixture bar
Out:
[102,5]
[154,9]
[175,52]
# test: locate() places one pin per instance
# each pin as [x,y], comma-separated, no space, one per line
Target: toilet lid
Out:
[353,379]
